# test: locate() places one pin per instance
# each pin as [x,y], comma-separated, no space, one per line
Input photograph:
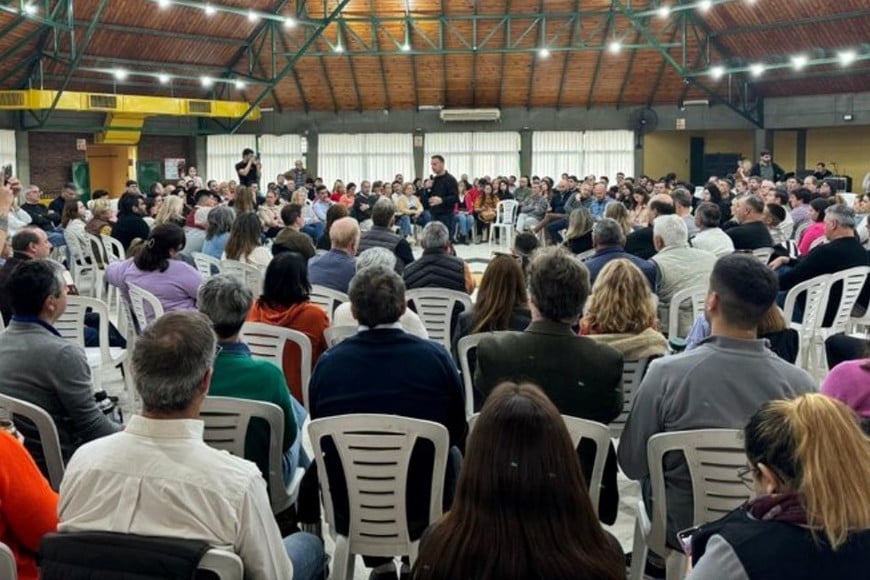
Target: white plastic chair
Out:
[267,342]
[580,429]
[224,565]
[816,291]
[434,306]
[139,299]
[714,457]
[335,334]
[207,265]
[47,431]
[226,426]
[697,295]
[8,568]
[763,254]
[114,248]
[327,298]
[103,358]
[80,267]
[632,375]
[249,275]
[505,217]
[583,256]
[99,253]
[374,451]
[463,349]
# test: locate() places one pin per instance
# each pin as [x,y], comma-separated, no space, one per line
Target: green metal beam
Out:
[377,44]
[598,63]
[443,60]
[161,33]
[343,33]
[283,41]
[486,50]
[80,51]
[567,59]
[542,32]
[163,66]
[663,66]
[813,21]
[628,72]
[413,59]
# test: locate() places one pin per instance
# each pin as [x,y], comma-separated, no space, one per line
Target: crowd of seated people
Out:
[550,320]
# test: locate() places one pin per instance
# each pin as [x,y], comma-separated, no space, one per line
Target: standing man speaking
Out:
[443,195]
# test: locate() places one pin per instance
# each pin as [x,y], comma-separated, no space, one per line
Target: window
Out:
[373,156]
[582,153]
[476,154]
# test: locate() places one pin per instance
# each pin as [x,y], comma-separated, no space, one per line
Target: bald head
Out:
[344,235]
[660,204]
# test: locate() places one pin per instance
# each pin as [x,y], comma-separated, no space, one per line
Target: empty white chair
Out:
[226,426]
[632,375]
[697,295]
[374,451]
[815,301]
[145,306]
[114,248]
[335,334]
[8,568]
[327,298]
[505,216]
[714,457]
[249,275]
[434,306]
[98,251]
[463,348]
[267,342]
[47,432]
[82,265]
[206,265]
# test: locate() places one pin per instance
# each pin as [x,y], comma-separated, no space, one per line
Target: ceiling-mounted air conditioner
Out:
[469,115]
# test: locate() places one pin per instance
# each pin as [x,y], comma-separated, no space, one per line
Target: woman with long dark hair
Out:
[244,242]
[155,269]
[522,509]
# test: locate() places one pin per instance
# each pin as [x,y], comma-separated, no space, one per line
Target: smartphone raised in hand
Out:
[7,173]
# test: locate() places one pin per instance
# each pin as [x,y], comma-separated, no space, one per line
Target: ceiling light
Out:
[120,74]
[705,5]
[406,47]
[207,81]
[240,84]
[253,16]
[163,78]
[614,46]
[756,69]
[164,3]
[209,10]
[664,11]
[847,57]
[799,61]
[30,9]
[544,52]
[338,48]
[289,23]
[717,72]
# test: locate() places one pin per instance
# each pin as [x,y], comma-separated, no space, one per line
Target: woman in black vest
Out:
[810,465]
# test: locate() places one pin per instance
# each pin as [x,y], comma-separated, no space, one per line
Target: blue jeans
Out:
[314,231]
[295,456]
[405,225]
[466,224]
[305,552]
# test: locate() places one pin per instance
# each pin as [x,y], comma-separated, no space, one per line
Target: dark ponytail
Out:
[155,251]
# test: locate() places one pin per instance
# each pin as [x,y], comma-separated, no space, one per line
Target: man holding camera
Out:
[248,169]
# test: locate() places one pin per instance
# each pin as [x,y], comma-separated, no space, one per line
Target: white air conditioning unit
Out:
[469,115]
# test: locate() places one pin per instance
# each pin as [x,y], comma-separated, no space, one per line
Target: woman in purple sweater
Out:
[153,269]
[849,382]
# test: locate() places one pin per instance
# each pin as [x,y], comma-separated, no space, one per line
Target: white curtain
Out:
[7,149]
[557,152]
[608,153]
[278,153]
[373,156]
[222,154]
[476,154]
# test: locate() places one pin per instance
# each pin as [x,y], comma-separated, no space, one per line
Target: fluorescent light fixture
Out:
[717,72]
[30,9]
[209,10]
[847,57]
[240,84]
[664,11]
[756,69]
[163,78]
[544,52]
[164,3]
[120,74]
[207,81]
[799,61]
[406,47]
[253,16]
[614,47]
[289,23]
[338,48]
[705,5]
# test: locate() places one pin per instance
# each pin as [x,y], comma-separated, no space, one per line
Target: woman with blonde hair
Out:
[618,213]
[809,464]
[243,200]
[621,313]
[101,218]
[172,211]
[579,236]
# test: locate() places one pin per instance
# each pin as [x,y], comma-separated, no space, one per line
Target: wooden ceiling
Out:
[373,72]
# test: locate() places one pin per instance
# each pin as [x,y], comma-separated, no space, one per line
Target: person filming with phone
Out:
[248,169]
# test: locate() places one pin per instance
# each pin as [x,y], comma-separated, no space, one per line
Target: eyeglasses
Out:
[745,476]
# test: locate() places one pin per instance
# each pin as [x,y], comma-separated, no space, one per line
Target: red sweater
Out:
[28,505]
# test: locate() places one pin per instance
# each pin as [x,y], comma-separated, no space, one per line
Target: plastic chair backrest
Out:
[47,431]
[763,254]
[506,212]
[8,568]
[335,334]
[632,375]
[146,307]
[71,324]
[463,349]
[714,457]
[222,564]
[98,248]
[226,426]
[580,429]
[249,275]
[697,295]
[434,306]
[114,248]
[374,451]
[267,342]
[327,298]
[583,256]
[207,265]
[852,281]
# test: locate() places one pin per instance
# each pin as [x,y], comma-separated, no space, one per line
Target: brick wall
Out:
[52,155]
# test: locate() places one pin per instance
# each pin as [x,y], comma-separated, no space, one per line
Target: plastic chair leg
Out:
[343,560]
[638,553]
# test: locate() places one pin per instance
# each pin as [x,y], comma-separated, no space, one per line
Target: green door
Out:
[81,176]
[148,173]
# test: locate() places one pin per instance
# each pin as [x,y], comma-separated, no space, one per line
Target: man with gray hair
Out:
[383,258]
[386,370]
[159,478]
[841,252]
[680,266]
[751,232]
[438,267]
[582,377]
[683,206]
[381,234]
[710,236]
[226,301]
[609,244]
[335,268]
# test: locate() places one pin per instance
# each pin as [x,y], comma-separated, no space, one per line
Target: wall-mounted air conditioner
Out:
[469,115]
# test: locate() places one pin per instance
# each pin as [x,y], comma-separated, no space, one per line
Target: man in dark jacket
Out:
[443,196]
[130,224]
[767,169]
[382,236]
[436,268]
[640,242]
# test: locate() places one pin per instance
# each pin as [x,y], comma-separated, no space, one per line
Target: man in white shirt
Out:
[711,237]
[159,478]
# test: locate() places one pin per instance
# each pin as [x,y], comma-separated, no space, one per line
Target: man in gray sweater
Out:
[41,367]
[720,384]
